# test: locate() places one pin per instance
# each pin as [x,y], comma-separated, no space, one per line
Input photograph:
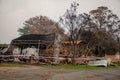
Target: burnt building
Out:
[40,42]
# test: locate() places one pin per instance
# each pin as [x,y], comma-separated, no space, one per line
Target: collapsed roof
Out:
[34,39]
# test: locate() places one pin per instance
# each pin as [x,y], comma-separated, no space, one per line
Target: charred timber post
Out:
[38,46]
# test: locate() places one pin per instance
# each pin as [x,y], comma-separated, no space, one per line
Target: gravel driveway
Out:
[112,74]
[40,73]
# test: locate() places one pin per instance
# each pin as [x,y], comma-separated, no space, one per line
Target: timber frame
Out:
[40,42]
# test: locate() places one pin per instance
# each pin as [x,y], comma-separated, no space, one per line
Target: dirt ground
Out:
[39,73]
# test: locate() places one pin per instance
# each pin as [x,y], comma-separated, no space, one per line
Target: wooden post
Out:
[38,46]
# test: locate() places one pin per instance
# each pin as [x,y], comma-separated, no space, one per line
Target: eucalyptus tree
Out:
[104,23]
[40,25]
[103,18]
[73,23]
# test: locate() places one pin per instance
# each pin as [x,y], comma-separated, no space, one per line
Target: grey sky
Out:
[13,13]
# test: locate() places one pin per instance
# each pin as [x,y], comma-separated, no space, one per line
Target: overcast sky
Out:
[13,13]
